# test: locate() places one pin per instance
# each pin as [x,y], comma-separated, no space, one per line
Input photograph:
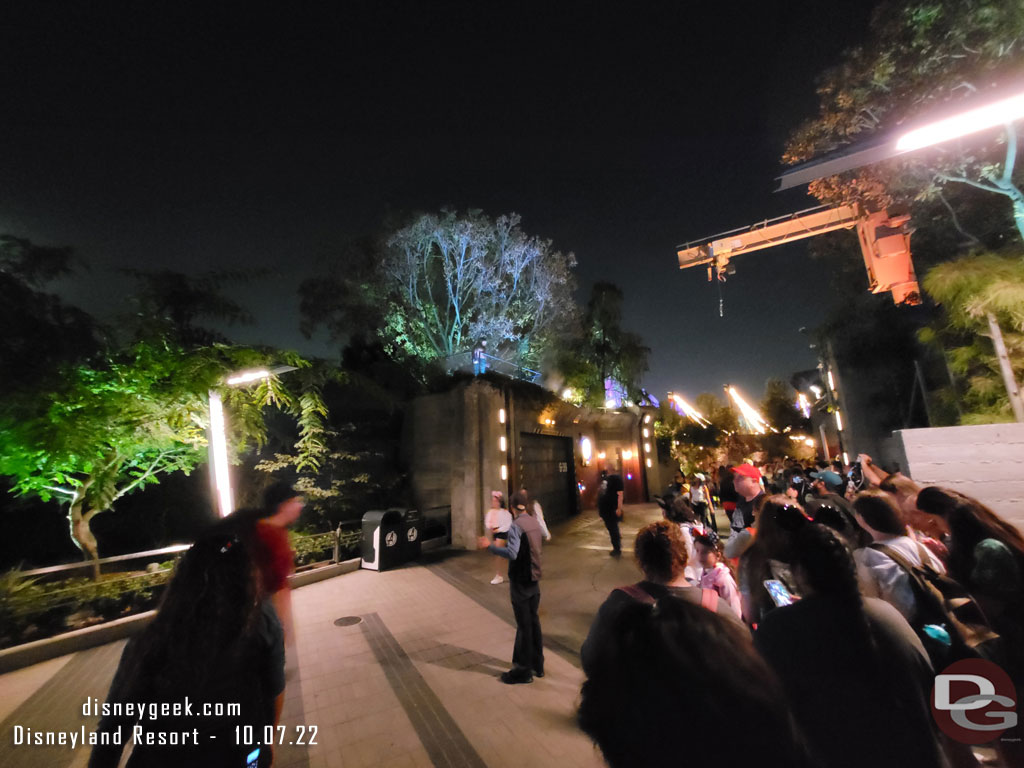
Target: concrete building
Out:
[495,433]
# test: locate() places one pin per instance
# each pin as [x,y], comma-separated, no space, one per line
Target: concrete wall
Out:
[984,461]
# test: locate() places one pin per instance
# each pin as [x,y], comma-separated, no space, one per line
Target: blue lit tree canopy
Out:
[437,285]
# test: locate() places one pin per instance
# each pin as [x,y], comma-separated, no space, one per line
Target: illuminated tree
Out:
[113,427]
[971,290]
[436,286]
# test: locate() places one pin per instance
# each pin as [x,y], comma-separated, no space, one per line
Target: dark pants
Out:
[528,652]
[611,522]
[704,515]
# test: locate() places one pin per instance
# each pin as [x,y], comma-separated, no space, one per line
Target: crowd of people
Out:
[806,631]
[812,635]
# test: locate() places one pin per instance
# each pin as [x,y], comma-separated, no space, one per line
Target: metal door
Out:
[547,471]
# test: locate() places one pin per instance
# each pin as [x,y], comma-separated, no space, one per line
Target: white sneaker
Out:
[497,580]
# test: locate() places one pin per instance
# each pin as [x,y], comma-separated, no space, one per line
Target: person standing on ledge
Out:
[523,551]
[480,358]
[609,507]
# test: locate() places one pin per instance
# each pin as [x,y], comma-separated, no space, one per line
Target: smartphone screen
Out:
[253,760]
[779,594]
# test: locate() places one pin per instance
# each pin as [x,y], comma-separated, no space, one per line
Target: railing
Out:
[463,361]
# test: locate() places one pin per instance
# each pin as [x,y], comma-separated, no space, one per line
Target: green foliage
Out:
[922,57]
[432,288]
[31,610]
[600,348]
[969,289]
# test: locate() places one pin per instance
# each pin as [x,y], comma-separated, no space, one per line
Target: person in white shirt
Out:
[879,575]
[498,520]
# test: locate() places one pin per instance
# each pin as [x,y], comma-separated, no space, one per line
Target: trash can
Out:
[412,527]
[382,544]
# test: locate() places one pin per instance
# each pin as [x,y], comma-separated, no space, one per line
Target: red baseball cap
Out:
[747,470]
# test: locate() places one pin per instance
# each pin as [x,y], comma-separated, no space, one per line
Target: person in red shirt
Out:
[282,506]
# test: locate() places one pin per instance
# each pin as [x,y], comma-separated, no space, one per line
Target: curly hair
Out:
[660,551]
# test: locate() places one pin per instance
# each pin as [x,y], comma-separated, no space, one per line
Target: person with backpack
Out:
[878,570]
[856,674]
[661,554]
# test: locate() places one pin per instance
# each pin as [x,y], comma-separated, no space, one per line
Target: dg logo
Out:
[974,701]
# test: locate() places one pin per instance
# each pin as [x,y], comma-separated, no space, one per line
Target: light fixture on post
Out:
[218,443]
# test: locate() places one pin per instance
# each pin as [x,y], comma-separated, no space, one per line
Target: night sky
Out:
[165,136]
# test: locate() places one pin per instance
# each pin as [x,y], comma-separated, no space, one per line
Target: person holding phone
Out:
[855,673]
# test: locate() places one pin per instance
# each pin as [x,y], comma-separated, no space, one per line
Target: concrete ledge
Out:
[48,648]
[27,654]
[326,572]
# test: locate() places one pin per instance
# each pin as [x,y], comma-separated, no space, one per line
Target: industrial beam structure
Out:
[884,241]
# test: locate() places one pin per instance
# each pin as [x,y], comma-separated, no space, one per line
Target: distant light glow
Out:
[816,390]
[650,463]
[609,403]
[647,432]
[685,409]
[755,422]
[647,419]
[839,421]
[581,486]
[246,376]
[219,451]
[567,393]
[501,415]
[504,472]
[803,405]
[647,447]
[846,458]
[629,475]
[831,381]
[586,450]
[809,442]
[972,121]
[627,455]
[602,455]
[502,443]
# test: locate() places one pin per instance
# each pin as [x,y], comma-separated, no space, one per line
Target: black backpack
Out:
[944,602]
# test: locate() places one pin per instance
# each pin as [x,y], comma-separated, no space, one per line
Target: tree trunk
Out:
[1009,381]
[82,536]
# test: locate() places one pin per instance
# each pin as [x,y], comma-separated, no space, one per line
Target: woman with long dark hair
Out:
[777,522]
[855,673]
[986,555]
[663,667]
[215,640]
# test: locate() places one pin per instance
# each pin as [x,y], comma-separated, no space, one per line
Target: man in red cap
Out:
[747,480]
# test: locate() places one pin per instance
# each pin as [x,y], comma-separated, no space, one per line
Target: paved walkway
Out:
[394,669]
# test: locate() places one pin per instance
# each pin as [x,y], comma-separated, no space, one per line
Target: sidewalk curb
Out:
[27,654]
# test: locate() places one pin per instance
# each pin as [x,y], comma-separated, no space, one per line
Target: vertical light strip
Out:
[219,458]
[502,443]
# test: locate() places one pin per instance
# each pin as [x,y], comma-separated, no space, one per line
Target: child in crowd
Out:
[716,573]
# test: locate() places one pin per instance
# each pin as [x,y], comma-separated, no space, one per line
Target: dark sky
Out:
[161,135]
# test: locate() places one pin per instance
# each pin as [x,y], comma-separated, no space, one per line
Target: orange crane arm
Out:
[785,229]
[884,242]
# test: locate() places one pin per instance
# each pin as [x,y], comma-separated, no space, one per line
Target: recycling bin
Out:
[412,528]
[382,541]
